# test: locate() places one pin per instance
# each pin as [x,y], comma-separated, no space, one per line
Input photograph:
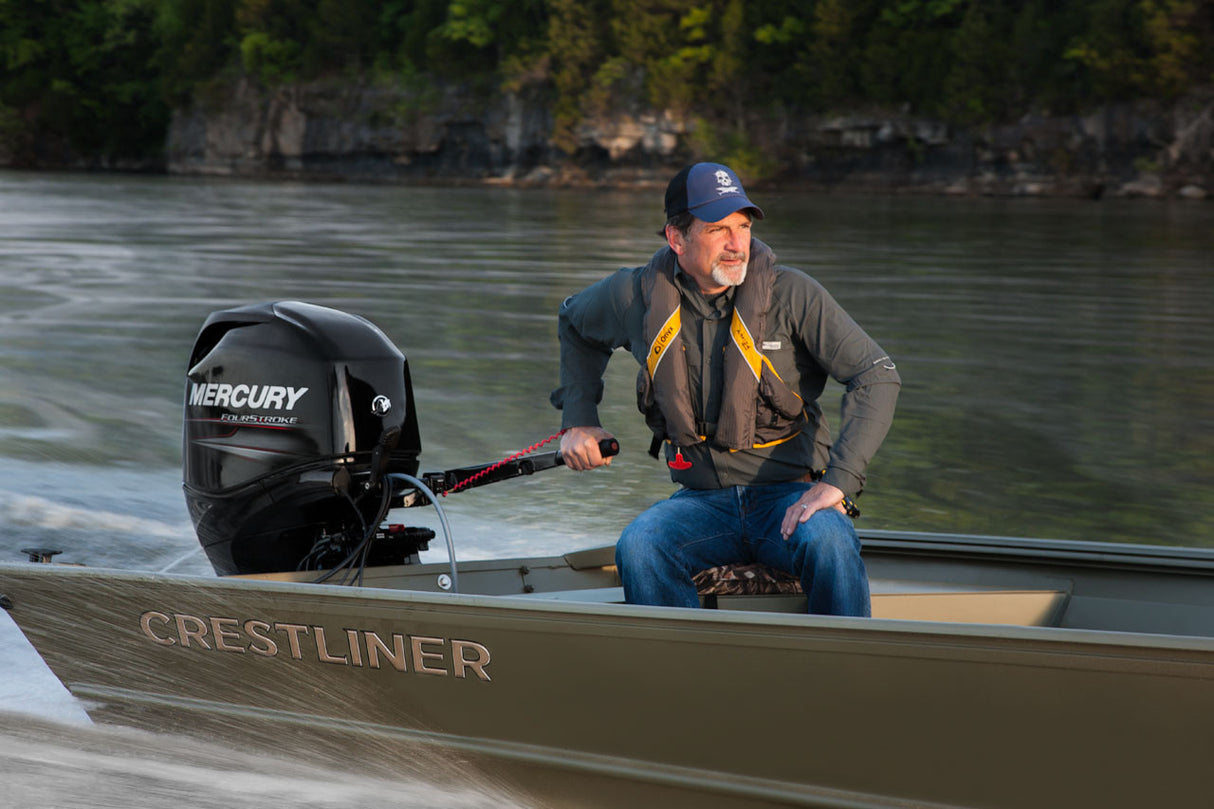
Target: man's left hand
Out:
[819,496]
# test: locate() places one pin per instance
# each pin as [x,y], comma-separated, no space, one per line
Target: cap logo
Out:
[725,183]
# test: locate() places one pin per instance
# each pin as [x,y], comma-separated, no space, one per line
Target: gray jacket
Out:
[807,338]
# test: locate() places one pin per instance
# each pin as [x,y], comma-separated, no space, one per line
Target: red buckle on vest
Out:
[679,461]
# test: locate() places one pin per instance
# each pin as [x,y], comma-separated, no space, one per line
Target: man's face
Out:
[715,254]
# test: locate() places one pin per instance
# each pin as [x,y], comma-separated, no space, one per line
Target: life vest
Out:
[758,408]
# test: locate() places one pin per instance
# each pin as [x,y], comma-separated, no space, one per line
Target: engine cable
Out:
[468,481]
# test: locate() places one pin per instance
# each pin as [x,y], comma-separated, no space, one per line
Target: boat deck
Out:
[903,600]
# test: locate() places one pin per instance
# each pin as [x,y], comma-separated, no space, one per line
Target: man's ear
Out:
[676,239]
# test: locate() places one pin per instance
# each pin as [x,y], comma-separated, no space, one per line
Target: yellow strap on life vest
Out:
[755,360]
[777,442]
[746,344]
[661,342]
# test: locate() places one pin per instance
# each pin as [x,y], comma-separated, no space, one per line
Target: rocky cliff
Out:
[340,130]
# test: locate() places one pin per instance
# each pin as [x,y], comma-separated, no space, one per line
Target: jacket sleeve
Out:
[590,326]
[844,351]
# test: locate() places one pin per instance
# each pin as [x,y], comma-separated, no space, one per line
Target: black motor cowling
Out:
[292,412]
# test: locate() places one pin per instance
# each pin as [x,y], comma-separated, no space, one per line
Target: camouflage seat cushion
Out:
[752,579]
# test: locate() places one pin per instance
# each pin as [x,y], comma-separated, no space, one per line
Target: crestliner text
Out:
[351,647]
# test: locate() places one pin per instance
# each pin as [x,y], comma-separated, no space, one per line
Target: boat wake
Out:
[40,512]
[45,763]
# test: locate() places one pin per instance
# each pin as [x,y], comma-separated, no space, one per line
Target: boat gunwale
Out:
[1090,553]
[847,629]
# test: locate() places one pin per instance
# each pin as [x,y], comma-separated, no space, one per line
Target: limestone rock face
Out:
[335,129]
[342,129]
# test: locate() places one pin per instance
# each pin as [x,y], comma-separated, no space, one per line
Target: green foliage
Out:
[1112,50]
[478,36]
[908,15]
[734,149]
[76,82]
[977,86]
[577,33]
[691,56]
[1132,48]
[909,53]
[473,22]
[344,34]
[97,77]
[194,38]
[274,61]
[1180,34]
[833,58]
[786,31]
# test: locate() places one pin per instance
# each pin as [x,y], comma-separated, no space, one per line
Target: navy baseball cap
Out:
[709,191]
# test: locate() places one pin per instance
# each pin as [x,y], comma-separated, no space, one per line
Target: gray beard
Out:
[721,276]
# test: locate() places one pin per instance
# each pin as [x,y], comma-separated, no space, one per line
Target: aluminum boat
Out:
[995,671]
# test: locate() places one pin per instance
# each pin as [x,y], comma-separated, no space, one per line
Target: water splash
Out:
[45,764]
[40,512]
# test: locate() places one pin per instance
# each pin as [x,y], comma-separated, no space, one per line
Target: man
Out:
[734,352]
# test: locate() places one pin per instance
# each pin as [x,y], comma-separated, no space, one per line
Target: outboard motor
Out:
[293,413]
[300,435]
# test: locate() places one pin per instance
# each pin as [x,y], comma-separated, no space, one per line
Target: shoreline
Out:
[1146,187]
[338,131]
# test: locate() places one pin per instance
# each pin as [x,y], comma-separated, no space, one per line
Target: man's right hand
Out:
[580,448]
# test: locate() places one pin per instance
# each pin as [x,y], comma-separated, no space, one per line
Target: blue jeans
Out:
[693,530]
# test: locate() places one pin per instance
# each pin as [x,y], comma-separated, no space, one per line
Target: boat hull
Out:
[596,704]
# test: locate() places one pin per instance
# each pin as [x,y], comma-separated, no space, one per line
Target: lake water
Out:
[1057,356]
